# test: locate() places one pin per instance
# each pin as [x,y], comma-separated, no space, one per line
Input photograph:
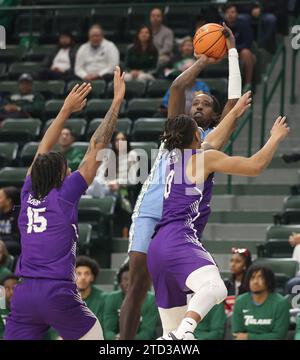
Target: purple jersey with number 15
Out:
[48,230]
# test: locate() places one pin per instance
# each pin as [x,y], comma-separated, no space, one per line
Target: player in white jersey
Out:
[206,111]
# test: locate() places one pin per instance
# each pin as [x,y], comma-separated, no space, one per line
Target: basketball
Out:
[209,40]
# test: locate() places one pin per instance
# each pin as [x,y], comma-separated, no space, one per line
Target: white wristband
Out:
[234,80]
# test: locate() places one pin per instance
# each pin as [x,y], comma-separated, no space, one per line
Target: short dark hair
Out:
[123,268]
[88,262]
[13,194]
[9,277]
[48,171]
[179,132]
[267,274]
[229,6]
[71,131]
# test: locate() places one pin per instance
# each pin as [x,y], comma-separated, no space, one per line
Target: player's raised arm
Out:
[103,134]
[75,101]
[252,166]
[221,134]
[176,104]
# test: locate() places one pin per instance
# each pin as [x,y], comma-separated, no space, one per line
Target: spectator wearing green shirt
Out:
[4,271]
[25,103]
[72,154]
[212,327]
[260,313]
[87,271]
[9,283]
[113,303]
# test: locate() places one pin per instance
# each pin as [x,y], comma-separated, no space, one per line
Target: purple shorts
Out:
[38,304]
[171,259]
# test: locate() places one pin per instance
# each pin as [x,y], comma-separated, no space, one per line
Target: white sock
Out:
[187,325]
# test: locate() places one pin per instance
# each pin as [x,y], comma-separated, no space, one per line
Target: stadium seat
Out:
[84,233]
[52,107]
[28,152]
[217,85]
[10,262]
[25,21]
[181,19]
[142,107]
[8,153]
[38,53]
[20,130]
[111,18]
[99,107]
[281,231]
[148,129]
[292,202]
[158,88]
[78,126]
[12,176]
[134,89]
[123,125]
[8,87]
[98,87]
[11,54]
[147,146]
[18,68]
[216,70]
[275,248]
[50,89]
[2,69]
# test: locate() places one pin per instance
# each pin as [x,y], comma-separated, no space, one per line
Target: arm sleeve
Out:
[110,318]
[113,59]
[238,324]
[234,79]
[79,63]
[281,324]
[73,187]
[149,319]
[216,325]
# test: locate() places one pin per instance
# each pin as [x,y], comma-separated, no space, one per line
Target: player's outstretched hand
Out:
[243,104]
[76,100]
[230,39]
[119,84]
[280,129]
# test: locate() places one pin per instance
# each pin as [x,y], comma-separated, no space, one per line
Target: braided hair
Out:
[179,132]
[48,172]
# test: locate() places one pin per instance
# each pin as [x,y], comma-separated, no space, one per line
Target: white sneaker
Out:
[171,336]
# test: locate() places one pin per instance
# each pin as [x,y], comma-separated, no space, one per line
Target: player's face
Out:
[25,87]
[187,48]
[231,15]
[9,286]
[66,138]
[84,277]
[202,110]
[144,35]
[95,37]
[257,283]
[237,264]
[124,284]
[156,17]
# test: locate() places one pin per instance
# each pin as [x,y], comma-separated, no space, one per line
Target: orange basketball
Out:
[209,40]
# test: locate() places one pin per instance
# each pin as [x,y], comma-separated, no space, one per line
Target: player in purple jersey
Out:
[177,261]
[47,295]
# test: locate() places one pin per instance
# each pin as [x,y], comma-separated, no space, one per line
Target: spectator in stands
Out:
[183,60]
[239,263]
[294,241]
[149,313]
[141,57]
[260,313]
[195,88]
[163,37]
[97,58]
[24,104]
[212,327]
[244,40]
[4,271]
[72,154]
[9,212]
[9,283]
[290,158]
[60,64]
[86,271]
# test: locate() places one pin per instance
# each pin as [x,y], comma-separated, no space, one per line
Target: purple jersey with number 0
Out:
[48,230]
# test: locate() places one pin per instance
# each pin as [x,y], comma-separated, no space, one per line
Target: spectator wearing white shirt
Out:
[97,58]
[163,37]
[60,64]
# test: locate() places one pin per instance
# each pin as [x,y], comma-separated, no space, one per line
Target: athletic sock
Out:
[187,325]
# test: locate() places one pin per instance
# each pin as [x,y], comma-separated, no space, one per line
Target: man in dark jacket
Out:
[25,103]
[60,64]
